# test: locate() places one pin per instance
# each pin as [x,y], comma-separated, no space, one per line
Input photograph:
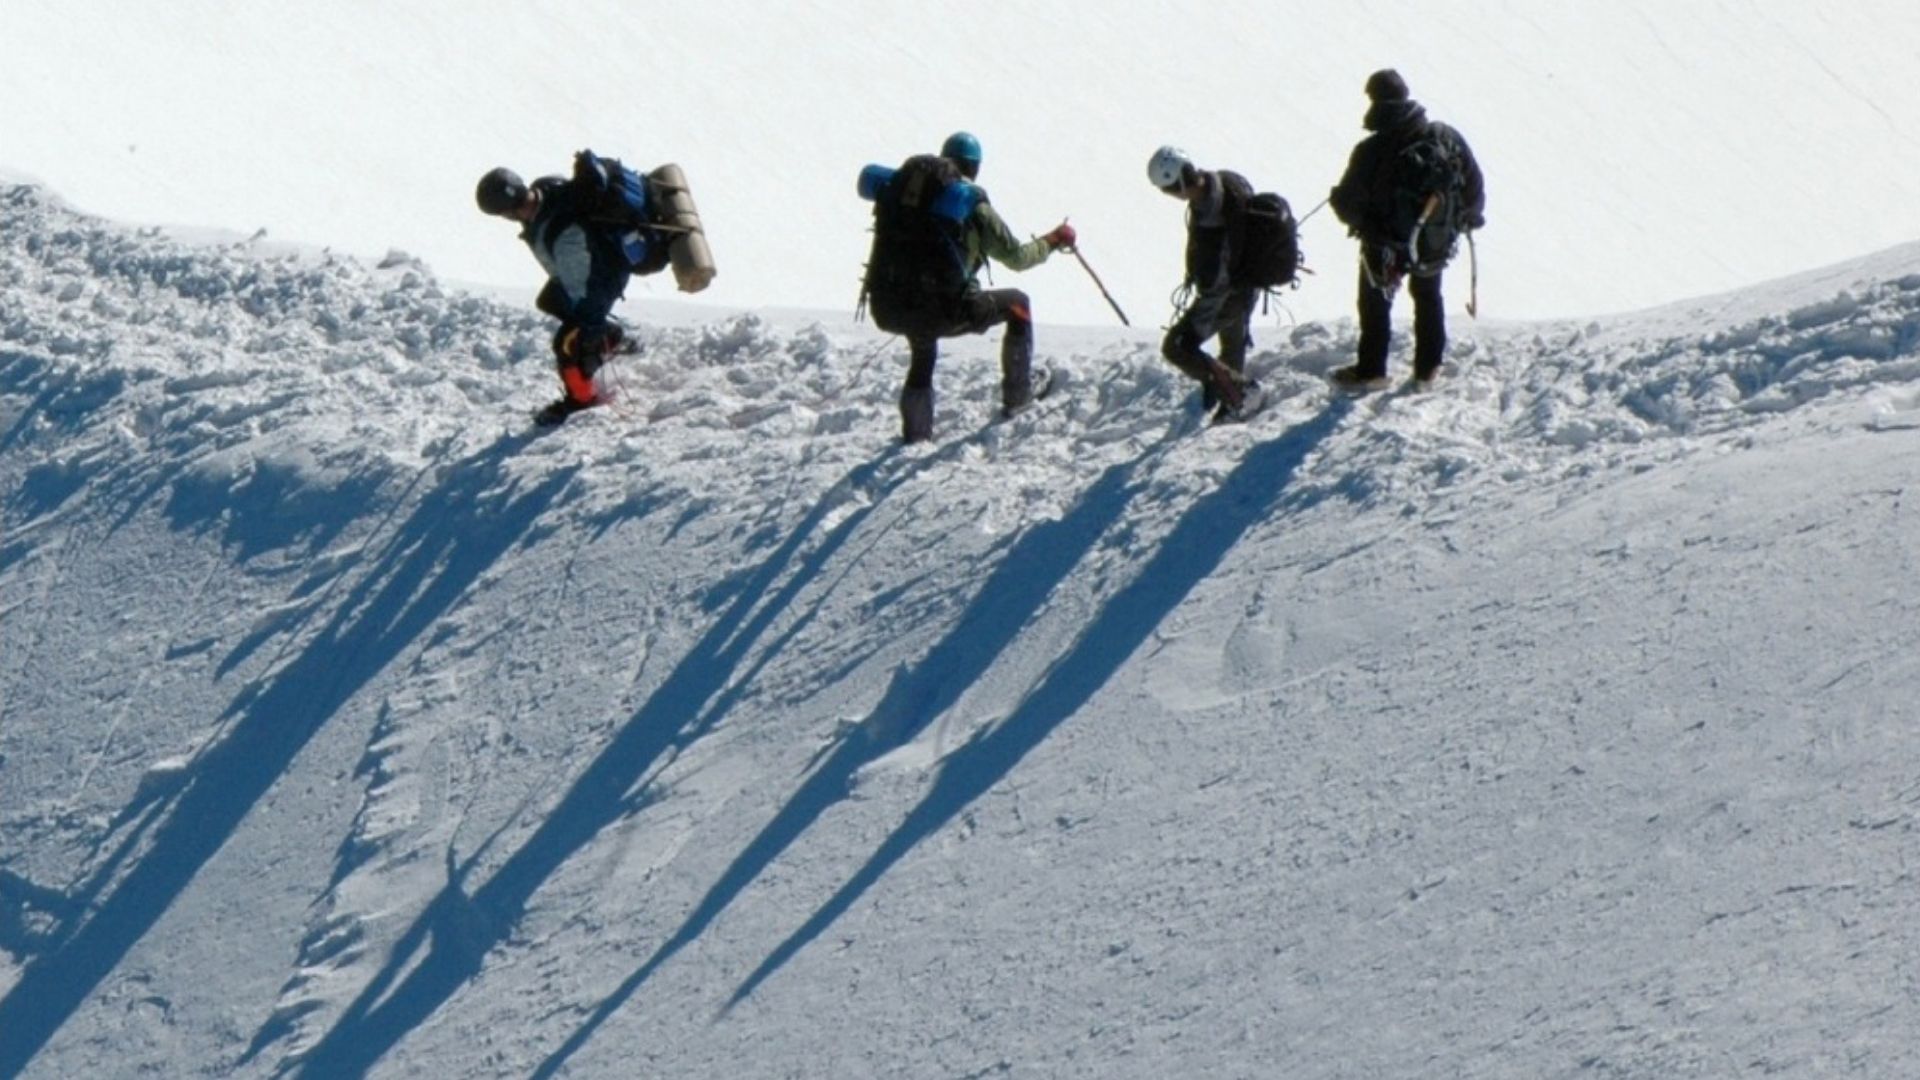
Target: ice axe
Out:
[1388,279]
[1101,286]
[1473,254]
[1098,284]
[1473,278]
[1427,210]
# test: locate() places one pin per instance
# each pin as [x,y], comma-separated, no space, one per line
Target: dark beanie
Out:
[1386,85]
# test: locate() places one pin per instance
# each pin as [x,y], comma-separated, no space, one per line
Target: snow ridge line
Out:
[129,342]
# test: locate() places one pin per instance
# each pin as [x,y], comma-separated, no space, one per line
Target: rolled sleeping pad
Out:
[692,259]
[957,201]
[872,179]
[954,203]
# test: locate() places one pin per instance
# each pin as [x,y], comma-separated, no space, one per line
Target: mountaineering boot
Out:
[1253,398]
[1038,386]
[1349,379]
[1018,386]
[916,414]
[556,411]
[1227,385]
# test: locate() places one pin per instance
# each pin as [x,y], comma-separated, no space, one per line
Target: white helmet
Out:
[1167,165]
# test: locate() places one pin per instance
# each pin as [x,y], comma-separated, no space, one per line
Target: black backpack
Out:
[1269,255]
[1430,165]
[919,254]
[620,200]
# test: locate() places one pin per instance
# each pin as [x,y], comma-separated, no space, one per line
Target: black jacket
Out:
[587,271]
[1215,232]
[1365,198]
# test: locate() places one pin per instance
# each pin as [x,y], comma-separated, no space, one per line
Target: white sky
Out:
[1636,152]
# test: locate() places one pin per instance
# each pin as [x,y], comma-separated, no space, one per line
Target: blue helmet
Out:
[964,149]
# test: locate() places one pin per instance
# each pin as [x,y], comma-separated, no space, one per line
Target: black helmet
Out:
[500,191]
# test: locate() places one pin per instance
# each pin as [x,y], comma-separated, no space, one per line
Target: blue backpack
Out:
[610,195]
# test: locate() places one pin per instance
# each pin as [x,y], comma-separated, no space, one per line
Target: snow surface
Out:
[1558,722]
[1637,151]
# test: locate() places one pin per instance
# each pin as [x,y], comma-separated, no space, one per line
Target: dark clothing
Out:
[1227,312]
[924,318]
[1215,227]
[1376,330]
[978,311]
[1367,198]
[1369,201]
[587,271]
[981,311]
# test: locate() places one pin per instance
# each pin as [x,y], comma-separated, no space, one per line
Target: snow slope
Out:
[1637,151]
[1557,722]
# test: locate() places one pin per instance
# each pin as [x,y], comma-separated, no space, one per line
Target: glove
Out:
[1062,236]
[1474,222]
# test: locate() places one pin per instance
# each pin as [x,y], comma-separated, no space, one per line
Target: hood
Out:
[1389,115]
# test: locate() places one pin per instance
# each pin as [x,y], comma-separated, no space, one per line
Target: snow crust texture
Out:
[1553,722]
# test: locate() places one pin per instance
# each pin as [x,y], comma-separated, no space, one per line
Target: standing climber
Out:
[1411,189]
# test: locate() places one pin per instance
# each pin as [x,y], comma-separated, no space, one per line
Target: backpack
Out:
[919,256]
[1429,165]
[611,196]
[1269,254]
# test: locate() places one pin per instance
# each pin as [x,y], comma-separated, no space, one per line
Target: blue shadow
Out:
[446,945]
[1190,553]
[1025,575]
[453,536]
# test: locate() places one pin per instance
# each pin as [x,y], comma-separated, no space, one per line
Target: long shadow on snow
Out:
[447,943]
[1005,603]
[453,536]
[126,834]
[1191,552]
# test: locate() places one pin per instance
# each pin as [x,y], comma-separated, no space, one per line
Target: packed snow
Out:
[1555,722]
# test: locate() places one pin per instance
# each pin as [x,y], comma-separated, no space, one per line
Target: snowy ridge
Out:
[349,726]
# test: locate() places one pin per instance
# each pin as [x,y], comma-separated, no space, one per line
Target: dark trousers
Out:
[1226,311]
[578,352]
[975,313]
[1376,325]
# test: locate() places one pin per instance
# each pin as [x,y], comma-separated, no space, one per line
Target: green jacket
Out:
[988,236]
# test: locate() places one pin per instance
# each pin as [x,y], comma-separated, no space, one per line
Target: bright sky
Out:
[1636,152]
